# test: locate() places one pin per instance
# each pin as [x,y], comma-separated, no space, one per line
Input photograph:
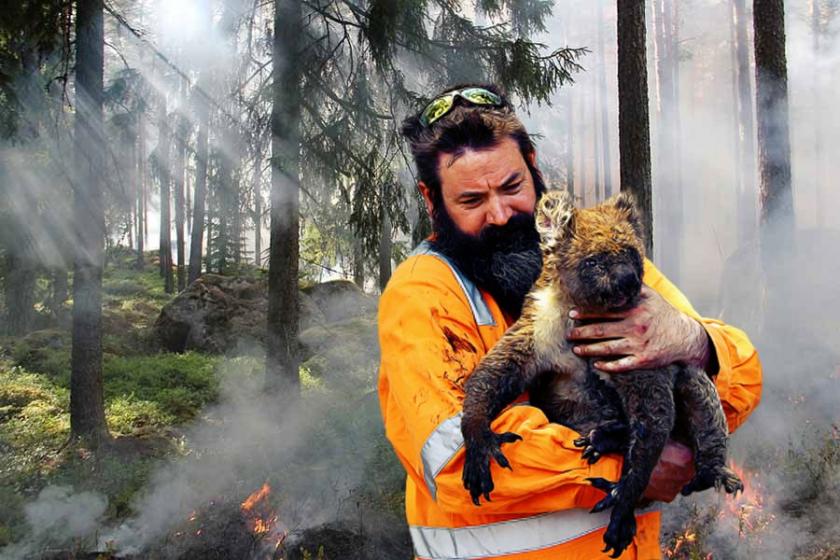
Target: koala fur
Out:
[592,259]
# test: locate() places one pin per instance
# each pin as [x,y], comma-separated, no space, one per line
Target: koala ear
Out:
[555,216]
[626,202]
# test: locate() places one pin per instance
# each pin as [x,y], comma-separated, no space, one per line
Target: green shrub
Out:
[180,384]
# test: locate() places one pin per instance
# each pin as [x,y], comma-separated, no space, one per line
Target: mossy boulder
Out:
[225,314]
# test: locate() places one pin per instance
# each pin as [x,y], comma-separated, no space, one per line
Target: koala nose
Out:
[627,281]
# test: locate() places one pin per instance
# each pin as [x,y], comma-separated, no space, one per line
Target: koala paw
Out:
[613,490]
[476,476]
[620,532]
[609,438]
[719,477]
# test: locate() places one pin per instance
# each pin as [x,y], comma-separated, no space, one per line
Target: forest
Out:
[202,200]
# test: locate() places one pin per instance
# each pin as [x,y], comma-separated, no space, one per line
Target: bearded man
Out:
[452,300]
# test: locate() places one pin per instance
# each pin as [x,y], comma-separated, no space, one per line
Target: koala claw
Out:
[476,475]
[612,490]
[719,477]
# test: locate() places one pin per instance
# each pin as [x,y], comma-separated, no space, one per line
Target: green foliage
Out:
[179,384]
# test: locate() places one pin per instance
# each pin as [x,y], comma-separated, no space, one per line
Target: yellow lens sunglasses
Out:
[439,106]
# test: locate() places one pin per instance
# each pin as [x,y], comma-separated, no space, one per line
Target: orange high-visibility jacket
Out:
[434,328]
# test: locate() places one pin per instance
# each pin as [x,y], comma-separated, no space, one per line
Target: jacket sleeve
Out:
[738,379]
[430,345]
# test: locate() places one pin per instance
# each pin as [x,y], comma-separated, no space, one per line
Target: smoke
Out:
[56,517]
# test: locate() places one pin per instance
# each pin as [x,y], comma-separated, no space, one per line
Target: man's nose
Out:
[498,213]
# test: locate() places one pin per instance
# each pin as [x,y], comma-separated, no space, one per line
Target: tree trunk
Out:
[815,86]
[775,194]
[258,207]
[746,201]
[668,187]
[182,131]
[633,125]
[359,262]
[163,148]
[201,152]
[141,190]
[596,146]
[282,356]
[59,290]
[570,143]
[385,244]
[20,282]
[583,179]
[777,225]
[570,126]
[87,411]
[605,120]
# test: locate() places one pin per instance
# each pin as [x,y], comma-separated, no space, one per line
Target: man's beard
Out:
[504,260]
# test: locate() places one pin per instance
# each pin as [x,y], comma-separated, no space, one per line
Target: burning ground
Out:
[203,465]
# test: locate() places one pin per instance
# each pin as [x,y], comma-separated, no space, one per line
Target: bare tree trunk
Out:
[282,356]
[605,120]
[583,168]
[140,171]
[20,281]
[596,147]
[633,125]
[182,131]
[358,262]
[87,410]
[59,289]
[668,187]
[385,244]
[570,126]
[201,152]
[163,149]
[777,225]
[775,193]
[746,202]
[815,86]
[570,143]
[236,226]
[258,207]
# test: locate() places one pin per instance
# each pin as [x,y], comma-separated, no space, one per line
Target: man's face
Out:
[485,187]
[485,221]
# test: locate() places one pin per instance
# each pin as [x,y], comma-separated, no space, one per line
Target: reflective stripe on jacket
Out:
[434,328]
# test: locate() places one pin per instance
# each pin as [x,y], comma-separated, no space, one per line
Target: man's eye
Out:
[470,201]
[513,188]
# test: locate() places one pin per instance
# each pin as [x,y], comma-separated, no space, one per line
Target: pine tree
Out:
[87,411]
[633,123]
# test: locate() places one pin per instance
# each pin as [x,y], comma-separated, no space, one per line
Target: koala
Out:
[593,259]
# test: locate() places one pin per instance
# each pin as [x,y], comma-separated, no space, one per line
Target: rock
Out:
[225,314]
[340,299]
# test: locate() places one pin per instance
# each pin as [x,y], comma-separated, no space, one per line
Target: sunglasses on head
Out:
[439,106]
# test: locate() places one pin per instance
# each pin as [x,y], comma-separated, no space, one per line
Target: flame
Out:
[747,508]
[262,521]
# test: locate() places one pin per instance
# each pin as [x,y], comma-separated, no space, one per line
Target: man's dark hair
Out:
[466,126]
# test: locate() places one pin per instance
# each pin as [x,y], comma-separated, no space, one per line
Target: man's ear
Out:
[427,197]
[555,217]
[532,158]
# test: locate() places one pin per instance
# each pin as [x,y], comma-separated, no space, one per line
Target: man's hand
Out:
[653,334]
[673,471]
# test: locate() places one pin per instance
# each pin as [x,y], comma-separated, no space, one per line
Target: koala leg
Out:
[699,404]
[648,400]
[502,375]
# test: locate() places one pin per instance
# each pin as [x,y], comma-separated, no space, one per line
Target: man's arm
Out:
[429,346]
